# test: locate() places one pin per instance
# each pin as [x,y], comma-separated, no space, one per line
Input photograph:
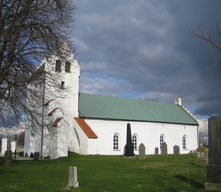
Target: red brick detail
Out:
[86,128]
[48,102]
[56,122]
[52,111]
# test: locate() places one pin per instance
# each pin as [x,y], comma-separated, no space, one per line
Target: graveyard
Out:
[196,171]
[105,173]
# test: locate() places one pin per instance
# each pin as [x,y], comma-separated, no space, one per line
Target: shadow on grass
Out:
[192,163]
[195,184]
[2,161]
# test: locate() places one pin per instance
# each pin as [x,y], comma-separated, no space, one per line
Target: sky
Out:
[144,49]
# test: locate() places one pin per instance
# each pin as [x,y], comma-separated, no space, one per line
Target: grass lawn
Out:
[105,173]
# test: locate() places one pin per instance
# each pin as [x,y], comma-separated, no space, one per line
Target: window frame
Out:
[162,139]
[62,84]
[116,142]
[67,67]
[58,66]
[135,138]
[184,142]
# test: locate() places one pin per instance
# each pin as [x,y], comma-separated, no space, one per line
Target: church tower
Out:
[60,98]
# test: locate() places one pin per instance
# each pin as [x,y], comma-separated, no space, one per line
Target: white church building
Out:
[91,124]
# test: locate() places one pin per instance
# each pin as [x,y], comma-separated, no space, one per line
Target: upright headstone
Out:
[142,152]
[214,167]
[129,147]
[202,156]
[8,154]
[156,150]
[164,149]
[36,155]
[13,146]
[73,180]
[176,150]
[4,145]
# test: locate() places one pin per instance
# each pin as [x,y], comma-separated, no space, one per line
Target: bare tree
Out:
[206,35]
[21,138]
[30,30]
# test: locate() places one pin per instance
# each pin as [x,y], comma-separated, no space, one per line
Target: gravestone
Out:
[73,180]
[156,150]
[129,147]
[214,167]
[176,150]
[13,146]
[36,155]
[142,152]
[164,149]
[8,154]
[4,145]
[202,156]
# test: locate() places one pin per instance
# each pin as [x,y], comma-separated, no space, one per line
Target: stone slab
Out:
[142,152]
[8,158]
[164,149]
[214,173]
[73,181]
[129,157]
[215,140]
[202,162]
[212,186]
[176,150]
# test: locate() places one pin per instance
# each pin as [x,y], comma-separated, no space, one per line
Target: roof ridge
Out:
[125,98]
[117,108]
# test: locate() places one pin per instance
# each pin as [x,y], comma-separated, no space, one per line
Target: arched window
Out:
[184,142]
[116,141]
[162,139]
[135,141]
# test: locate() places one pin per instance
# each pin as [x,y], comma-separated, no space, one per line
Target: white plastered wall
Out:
[73,139]
[56,139]
[4,145]
[13,146]
[148,134]
[81,138]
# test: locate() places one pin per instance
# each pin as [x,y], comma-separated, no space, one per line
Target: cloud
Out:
[4,132]
[144,49]
[203,130]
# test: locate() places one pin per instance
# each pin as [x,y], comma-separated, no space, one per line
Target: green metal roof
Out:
[116,108]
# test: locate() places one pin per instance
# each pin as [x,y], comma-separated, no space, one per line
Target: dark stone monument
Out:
[129,147]
[214,167]
[8,154]
[176,150]
[36,155]
[142,152]
[156,150]
[164,149]
[32,155]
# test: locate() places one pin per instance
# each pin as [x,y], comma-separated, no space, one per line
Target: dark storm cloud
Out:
[144,49]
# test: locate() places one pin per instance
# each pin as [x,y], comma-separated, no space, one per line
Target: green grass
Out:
[105,173]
